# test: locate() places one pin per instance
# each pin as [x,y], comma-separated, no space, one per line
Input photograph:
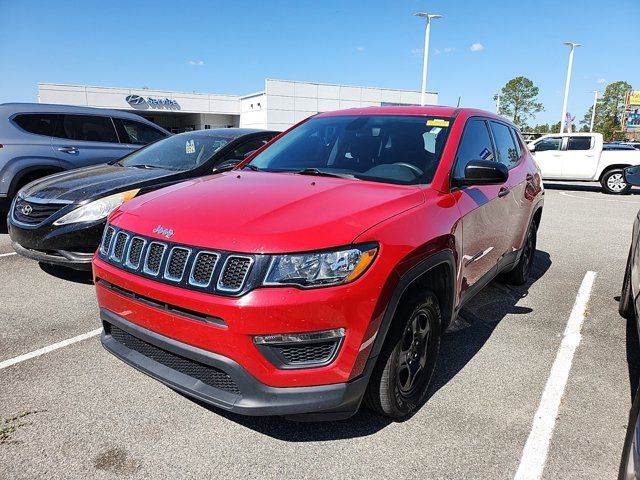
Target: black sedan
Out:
[630,308]
[59,219]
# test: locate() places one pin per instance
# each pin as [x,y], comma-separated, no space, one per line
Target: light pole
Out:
[566,87]
[497,97]
[593,111]
[427,33]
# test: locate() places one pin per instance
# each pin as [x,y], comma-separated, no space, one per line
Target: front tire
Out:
[625,306]
[613,183]
[400,380]
[522,271]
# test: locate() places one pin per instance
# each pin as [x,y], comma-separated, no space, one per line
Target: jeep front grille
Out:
[186,266]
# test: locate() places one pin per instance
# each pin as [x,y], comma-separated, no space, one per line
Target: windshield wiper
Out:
[251,167]
[322,173]
[150,167]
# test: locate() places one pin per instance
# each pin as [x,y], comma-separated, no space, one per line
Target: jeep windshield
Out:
[403,149]
[180,152]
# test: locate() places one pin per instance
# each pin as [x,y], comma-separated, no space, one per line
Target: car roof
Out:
[228,132]
[430,110]
[12,108]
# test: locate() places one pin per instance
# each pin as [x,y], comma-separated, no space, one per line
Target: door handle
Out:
[70,150]
[503,192]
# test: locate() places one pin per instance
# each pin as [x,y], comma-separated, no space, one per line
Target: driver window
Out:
[475,144]
[552,143]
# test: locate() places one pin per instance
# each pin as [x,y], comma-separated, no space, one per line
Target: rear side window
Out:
[474,145]
[137,133]
[579,143]
[90,128]
[240,152]
[38,123]
[516,140]
[553,143]
[507,151]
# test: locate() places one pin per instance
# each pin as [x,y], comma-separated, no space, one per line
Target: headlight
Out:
[318,269]
[98,209]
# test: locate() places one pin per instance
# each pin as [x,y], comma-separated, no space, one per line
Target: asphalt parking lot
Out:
[78,412]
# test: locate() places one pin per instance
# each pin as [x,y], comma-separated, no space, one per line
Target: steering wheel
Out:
[411,167]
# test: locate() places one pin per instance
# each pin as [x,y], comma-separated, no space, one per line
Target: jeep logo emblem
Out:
[134,99]
[165,232]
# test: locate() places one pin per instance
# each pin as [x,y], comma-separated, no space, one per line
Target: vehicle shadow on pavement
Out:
[477,320]
[4,228]
[459,345]
[633,356]
[69,274]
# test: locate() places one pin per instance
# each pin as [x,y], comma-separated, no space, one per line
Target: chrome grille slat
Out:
[176,264]
[234,273]
[106,240]
[203,268]
[153,258]
[181,265]
[134,252]
[117,253]
[38,213]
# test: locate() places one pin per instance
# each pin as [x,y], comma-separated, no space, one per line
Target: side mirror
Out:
[531,147]
[226,166]
[483,172]
[632,175]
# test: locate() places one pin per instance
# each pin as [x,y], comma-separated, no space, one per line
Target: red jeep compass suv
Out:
[324,270]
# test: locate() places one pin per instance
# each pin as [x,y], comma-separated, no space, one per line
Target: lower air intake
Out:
[211,376]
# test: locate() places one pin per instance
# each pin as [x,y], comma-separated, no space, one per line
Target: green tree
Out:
[609,111]
[518,100]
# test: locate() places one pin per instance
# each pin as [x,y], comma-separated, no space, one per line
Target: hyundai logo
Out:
[27,209]
[135,99]
[165,232]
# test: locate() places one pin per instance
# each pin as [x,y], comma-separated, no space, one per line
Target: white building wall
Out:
[282,103]
[113,97]
[253,111]
[290,102]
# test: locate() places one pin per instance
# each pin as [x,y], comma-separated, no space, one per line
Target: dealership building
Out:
[281,104]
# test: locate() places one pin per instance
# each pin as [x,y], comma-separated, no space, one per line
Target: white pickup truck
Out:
[580,157]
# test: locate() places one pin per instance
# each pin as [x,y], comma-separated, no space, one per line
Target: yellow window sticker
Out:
[437,122]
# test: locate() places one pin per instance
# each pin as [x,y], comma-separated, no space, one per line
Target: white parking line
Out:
[534,454]
[50,348]
[7,254]
[599,199]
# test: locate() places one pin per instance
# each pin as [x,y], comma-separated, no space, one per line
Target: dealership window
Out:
[507,151]
[474,145]
[90,128]
[579,143]
[552,143]
[137,133]
[38,123]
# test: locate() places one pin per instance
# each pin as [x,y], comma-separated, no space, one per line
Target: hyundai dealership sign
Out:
[134,100]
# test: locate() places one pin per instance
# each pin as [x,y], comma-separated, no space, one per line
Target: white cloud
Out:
[437,52]
[448,50]
[196,63]
[476,47]
[601,81]
[417,51]
[360,49]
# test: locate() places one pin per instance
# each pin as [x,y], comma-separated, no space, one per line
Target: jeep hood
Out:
[261,212]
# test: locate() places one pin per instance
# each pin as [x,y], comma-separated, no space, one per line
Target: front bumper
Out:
[75,260]
[69,245]
[220,381]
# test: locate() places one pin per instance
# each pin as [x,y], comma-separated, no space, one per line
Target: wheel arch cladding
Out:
[436,273]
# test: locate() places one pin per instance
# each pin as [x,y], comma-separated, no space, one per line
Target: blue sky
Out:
[231,47]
